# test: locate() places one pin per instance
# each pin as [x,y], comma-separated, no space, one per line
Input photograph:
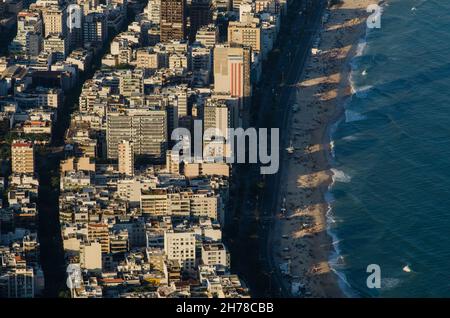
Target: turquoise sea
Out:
[390,203]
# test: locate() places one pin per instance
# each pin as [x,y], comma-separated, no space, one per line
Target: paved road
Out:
[274,195]
[251,236]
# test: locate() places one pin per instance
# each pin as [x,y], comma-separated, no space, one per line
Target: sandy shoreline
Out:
[301,240]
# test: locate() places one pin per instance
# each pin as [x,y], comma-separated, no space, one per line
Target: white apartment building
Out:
[180,246]
[215,254]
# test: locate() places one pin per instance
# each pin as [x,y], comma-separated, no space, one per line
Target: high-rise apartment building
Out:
[75,30]
[131,83]
[55,20]
[126,157]
[22,157]
[28,39]
[180,246]
[162,202]
[58,45]
[208,36]
[232,72]
[201,65]
[173,20]
[216,115]
[153,11]
[95,29]
[216,121]
[173,162]
[146,128]
[18,282]
[245,33]
[99,233]
[200,14]
[146,58]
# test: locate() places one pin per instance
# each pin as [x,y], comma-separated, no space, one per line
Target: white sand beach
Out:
[302,236]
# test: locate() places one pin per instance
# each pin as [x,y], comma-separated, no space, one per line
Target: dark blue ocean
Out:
[391,196]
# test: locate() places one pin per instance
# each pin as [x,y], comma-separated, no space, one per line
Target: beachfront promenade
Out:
[273,195]
[276,89]
[317,85]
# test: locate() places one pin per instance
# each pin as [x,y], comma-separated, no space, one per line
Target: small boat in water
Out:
[407,269]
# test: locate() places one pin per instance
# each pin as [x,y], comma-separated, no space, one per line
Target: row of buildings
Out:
[21,275]
[136,220]
[45,60]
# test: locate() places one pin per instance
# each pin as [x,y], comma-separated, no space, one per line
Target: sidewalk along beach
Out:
[302,244]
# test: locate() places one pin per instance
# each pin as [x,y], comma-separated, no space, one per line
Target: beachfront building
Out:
[232,72]
[245,33]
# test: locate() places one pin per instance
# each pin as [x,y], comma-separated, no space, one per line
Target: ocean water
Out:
[390,202]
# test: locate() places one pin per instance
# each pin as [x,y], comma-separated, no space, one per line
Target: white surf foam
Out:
[350,138]
[351,116]
[358,91]
[340,176]
[336,260]
[362,91]
[333,154]
[362,44]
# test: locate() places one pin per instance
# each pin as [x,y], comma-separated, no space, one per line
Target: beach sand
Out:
[302,236]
